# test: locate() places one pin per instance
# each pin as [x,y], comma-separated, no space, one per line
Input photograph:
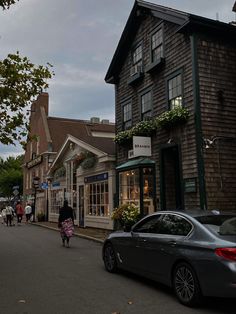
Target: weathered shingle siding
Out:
[217,78]
[177,50]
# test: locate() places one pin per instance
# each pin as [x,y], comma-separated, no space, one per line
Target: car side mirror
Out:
[127,228]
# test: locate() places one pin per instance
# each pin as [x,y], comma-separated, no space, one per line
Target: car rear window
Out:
[222,224]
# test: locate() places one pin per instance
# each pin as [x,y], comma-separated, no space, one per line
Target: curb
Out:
[83,236]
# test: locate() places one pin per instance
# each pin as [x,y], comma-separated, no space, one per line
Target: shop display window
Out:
[56,201]
[129,187]
[97,198]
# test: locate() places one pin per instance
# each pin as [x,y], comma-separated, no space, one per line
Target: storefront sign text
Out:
[98,177]
[34,162]
[142,146]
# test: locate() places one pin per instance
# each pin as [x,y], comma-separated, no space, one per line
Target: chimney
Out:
[95,120]
[41,101]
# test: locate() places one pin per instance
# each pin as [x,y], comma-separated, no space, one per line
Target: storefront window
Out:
[98,200]
[137,186]
[129,187]
[148,190]
[56,201]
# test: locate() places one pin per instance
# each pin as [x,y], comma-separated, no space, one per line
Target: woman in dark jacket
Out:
[66,223]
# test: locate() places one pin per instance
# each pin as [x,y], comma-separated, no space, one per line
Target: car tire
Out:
[109,258]
[186,285]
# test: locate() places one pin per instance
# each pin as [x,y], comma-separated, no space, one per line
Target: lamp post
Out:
[35,185]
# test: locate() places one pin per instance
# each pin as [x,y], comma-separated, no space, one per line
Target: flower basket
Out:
[41,216]
[123,137]
[125,214]
[173,117]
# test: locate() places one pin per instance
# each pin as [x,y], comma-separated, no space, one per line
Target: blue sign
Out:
[44,185]
[98,177]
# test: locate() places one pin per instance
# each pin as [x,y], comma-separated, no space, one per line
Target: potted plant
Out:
[41,216]
[125,215]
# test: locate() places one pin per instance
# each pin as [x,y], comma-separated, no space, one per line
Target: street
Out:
[39,276]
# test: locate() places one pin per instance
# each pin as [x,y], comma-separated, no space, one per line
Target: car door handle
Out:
[172,243]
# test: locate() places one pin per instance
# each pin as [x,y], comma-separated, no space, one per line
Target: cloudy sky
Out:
[79,38]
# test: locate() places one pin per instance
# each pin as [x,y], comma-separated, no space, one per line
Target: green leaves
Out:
[166,120]
[5,4]
[11,174]
[20,83]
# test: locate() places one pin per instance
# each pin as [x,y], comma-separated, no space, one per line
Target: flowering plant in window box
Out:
[126,214]
[173,117]
[145,128]
[123,137]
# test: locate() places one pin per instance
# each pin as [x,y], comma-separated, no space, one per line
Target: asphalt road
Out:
[38,275]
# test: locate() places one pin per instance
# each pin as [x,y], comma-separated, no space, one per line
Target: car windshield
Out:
[222,224]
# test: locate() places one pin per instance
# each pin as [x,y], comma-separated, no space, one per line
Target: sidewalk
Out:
[95,234]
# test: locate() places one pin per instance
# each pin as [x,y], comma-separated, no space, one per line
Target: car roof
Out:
[196,212]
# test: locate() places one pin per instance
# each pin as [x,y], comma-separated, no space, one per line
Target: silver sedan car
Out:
[195,253]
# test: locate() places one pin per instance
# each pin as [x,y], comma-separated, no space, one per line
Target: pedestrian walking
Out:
[66,223]
[19,212]
[4,217]
[9,214]
[28,212]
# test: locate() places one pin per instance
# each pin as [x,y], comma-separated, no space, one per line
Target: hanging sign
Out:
[141,146]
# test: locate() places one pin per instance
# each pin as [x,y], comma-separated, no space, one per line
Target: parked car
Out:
[195,253]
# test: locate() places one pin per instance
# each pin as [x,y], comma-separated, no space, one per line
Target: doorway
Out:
[81,205]
[170,174]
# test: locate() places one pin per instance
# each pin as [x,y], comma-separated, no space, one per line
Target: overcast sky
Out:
[79,38]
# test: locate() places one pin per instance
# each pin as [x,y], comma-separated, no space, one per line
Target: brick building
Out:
[48,134]
[175,76]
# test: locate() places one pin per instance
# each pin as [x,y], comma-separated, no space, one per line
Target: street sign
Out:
[15,192]
[16,187]
[44,185]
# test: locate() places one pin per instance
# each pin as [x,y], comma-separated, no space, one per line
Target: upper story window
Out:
[175,91]
[157,45]
[127,116]
[137,62]
[146,106]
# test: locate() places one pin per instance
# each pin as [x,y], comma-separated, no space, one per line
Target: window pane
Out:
[175,91]
[146,104]
[157,45]
[148,225]
[127,116]
[174,225]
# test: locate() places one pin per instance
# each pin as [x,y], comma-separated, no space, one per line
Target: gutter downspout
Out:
[198,123]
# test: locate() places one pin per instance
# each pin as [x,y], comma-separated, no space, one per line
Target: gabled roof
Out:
[60,127]
[187,23]
[101,153]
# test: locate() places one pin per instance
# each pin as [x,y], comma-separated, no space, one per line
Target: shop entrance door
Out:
[171,191]
[81,205]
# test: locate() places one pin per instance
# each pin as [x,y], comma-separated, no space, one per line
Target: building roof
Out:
[60,127]
[187,23]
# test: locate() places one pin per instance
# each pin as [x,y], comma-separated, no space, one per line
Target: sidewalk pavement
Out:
[95,234]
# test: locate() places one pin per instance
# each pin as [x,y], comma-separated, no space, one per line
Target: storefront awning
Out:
[135,163]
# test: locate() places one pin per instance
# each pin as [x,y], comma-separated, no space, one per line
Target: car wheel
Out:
[109,258]
[186,285]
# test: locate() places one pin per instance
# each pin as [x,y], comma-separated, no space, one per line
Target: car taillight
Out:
[227,252]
